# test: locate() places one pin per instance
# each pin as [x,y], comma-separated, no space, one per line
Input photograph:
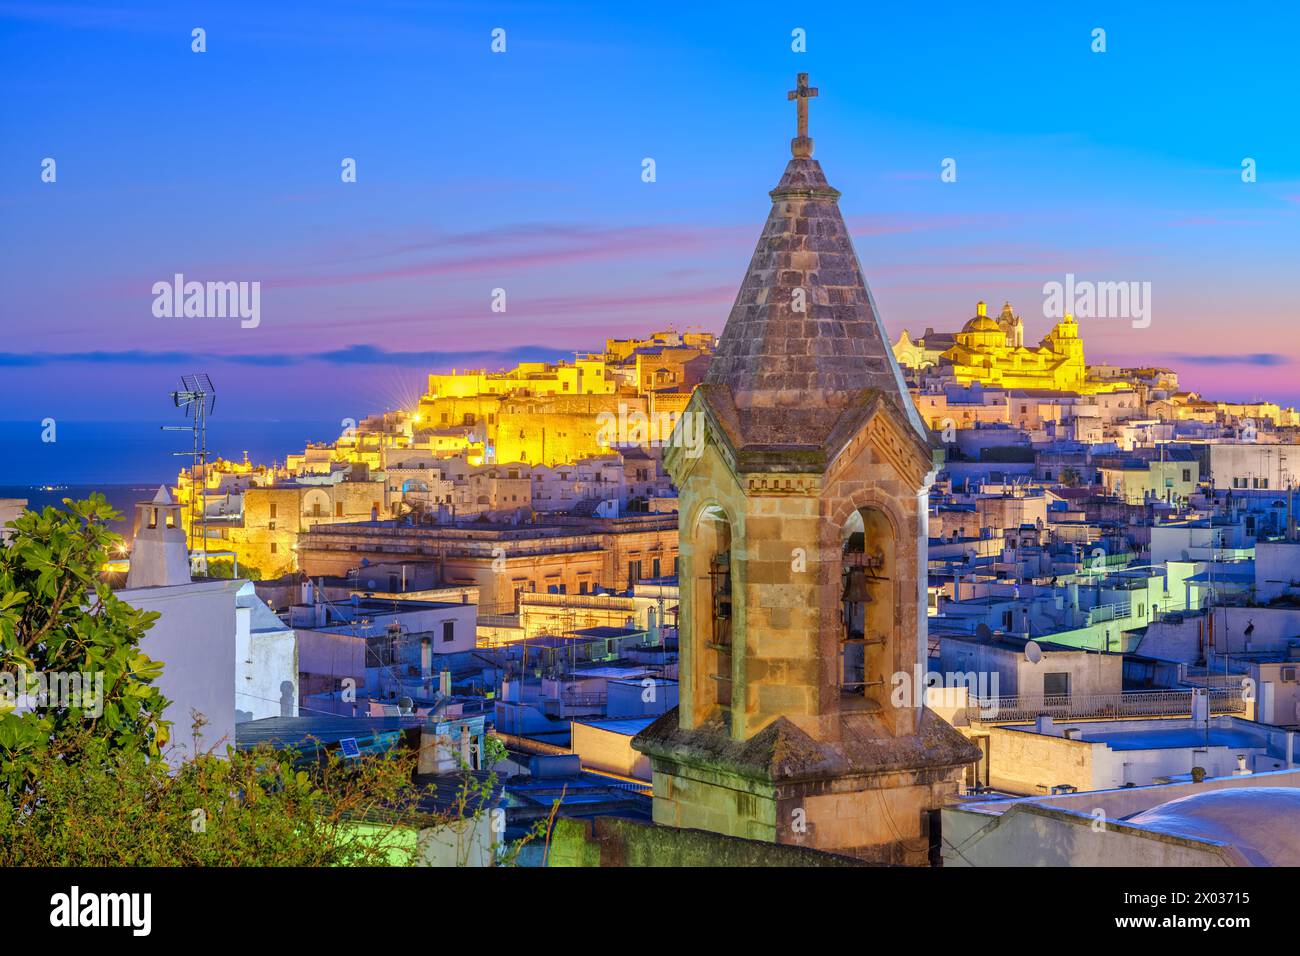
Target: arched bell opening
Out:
[868,589]
[713,612]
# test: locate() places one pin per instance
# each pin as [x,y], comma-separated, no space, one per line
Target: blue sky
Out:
[522,171]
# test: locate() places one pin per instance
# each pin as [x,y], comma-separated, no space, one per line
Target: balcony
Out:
[1145,703]
[1109,612]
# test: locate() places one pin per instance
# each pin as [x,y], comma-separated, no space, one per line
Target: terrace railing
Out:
[1145,703]
[1109,612]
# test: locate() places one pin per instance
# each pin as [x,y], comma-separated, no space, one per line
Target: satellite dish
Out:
[1033,653]
[405,705]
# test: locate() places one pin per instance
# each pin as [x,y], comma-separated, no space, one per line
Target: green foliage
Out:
[254,808]
[225,568]
[261,807]
[58,616]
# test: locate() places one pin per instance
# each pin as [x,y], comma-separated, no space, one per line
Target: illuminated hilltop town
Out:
[549,438]
[794,590]
[496,446]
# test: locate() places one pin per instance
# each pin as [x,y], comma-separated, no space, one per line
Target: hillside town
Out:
[1111,574]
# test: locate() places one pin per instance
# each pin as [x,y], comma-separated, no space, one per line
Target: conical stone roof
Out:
[790,373]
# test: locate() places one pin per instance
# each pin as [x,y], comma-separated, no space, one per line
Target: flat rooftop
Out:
[627,726]
[1166,734]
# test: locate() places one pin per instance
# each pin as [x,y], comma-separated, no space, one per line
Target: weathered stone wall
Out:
[696,798]
[610,841]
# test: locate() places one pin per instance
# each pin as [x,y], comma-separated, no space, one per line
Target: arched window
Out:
[867,605]
[713,613]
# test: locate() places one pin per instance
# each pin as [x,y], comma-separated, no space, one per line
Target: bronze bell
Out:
[855,588]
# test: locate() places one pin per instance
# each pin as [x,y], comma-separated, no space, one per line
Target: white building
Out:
[1253,465]
[219,648]
[1046,756]
[266,660]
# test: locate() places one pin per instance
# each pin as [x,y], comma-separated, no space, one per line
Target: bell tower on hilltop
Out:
[802,562]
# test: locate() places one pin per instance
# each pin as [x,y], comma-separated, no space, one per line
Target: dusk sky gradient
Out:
[523,171]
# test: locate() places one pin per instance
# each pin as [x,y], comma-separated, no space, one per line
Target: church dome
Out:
[1264,822]
[981,323]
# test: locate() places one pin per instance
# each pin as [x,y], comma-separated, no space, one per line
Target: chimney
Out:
[1200,707]
[159,554]
[466,746]
[1043,725]
[426,658]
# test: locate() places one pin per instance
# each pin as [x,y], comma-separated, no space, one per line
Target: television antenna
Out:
[196,398]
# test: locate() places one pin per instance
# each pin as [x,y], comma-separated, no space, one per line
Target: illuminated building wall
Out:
[556,429]
[506,561]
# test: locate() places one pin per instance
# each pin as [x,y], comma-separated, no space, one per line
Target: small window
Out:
[448,631]
[273,509]
[1056,685]
[274,547]
[338,509]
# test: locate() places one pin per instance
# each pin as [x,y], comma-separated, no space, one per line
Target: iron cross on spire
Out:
[802,145]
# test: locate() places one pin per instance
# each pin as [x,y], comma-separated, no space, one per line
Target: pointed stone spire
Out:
[804,338]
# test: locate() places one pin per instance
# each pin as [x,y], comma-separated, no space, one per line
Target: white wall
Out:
[1251,461]
[266,662]
[603,749]
[195,639]
[1277,564]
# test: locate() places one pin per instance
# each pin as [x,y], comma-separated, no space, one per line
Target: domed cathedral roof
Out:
[803,346]
[981,323]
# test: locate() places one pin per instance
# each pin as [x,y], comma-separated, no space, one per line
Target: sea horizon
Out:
[105,453]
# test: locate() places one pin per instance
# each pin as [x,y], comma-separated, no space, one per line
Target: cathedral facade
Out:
[992,352]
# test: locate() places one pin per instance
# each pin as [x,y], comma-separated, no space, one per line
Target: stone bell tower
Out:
[802,563]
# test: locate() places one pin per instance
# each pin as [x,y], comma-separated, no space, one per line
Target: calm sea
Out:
[124,453]
[127,461]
